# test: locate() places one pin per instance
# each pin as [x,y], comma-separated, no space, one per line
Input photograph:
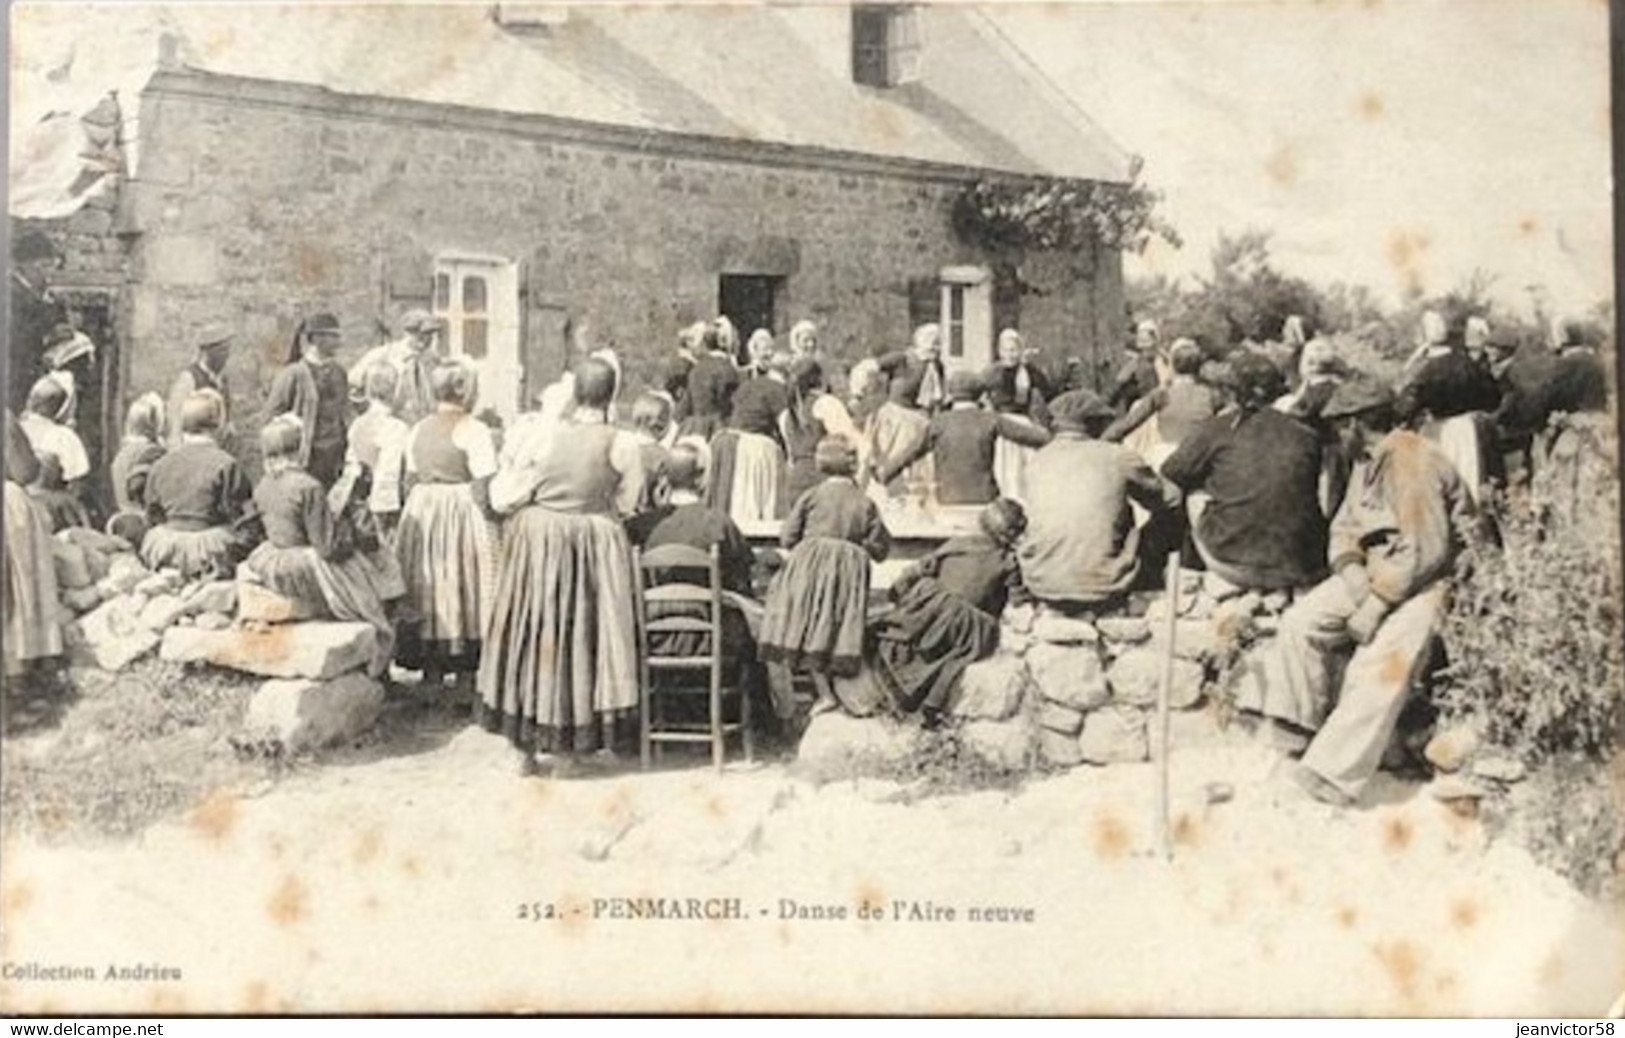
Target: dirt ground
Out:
[403,875]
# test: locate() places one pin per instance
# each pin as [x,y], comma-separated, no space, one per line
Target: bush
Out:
[1534,639]
[1534,630]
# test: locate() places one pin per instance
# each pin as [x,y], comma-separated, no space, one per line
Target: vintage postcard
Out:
[838,508]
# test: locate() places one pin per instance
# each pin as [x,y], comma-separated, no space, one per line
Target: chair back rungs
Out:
[691,610]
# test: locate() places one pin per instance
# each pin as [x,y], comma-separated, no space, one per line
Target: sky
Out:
[1384,142]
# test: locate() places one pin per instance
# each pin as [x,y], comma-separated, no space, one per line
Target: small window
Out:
[750,302]
[886,44]
[442,293]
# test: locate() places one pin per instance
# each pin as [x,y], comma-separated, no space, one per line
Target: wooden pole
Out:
[1159,740]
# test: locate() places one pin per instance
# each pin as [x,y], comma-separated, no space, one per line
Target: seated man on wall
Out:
[1262,527]
[1394,544]
[963,442]
[1082,547]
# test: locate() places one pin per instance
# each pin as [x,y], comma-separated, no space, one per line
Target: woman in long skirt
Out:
[446,542]
[307,554]
[559,675]
[816,605]
[946,615]
[1019,389]
[33,636]
[758,455]
[814,412]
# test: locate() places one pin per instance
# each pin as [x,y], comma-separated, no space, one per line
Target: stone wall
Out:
[257,202]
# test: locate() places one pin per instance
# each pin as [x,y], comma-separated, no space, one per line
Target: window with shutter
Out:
[887,47]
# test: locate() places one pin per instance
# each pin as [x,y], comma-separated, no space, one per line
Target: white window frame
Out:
[967,343]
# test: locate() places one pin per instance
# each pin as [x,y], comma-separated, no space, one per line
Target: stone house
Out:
[548,178]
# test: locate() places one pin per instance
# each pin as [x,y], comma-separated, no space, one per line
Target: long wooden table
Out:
[915,531]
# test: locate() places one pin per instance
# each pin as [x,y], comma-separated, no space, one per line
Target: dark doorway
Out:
[748,301]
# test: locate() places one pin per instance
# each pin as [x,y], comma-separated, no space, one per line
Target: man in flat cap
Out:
[1393,548]
[207,371]
[414,357]
[1082,546]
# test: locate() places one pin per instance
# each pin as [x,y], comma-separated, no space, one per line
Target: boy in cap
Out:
[207,371]
[1082,547]
[963,441]
[1394,545]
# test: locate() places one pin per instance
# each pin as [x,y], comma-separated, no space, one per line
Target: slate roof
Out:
[772,72]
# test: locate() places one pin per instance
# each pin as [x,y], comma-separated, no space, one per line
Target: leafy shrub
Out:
[1534,633]
[1534,638]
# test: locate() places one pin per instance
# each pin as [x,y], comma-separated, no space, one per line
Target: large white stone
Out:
[214,596]
[992,689]
[1130,630]
[1113,736]
[111,636]
[1058,717]
[1058,750]
[162,612]
[1136,674]
[82,599]
[1451,748]
[1059,629]
[124,572]
[1071,675]
[307,715]
[72,566]
[837,745]
[318,649]
[163,582]
[259,603]
[1193,639]
[1001,745]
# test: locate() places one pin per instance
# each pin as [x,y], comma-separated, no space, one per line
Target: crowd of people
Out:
[500,561]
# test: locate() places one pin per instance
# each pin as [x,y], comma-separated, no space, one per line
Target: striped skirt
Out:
[758,478]
[352,590]
[560,668]
[815,608]
[448,552]
[32,630]
[211,553]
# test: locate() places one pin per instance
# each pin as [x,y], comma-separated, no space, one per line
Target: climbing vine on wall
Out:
[1054,213]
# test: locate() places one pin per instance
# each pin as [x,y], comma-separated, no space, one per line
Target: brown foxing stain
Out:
[1282,167]
[619,805]
[1371,106]
[882,124]
[277,845]
[782,932]
[215,817]
[1395,667]
[1187,831]
[1464,913]
[573,917]
[367,846]
[370,902]
[1551,970]
[412,866]
[1347,917]
[217,40]
[312,265]
[165,1001]
[1404,250]
[16,899]
[1396,835]
[869,893]
[287,905]
[1110,837]
[1528,225]
[256,1000]
[715,808]
[1402,965]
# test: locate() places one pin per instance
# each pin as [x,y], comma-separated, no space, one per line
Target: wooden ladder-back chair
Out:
[659,575]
